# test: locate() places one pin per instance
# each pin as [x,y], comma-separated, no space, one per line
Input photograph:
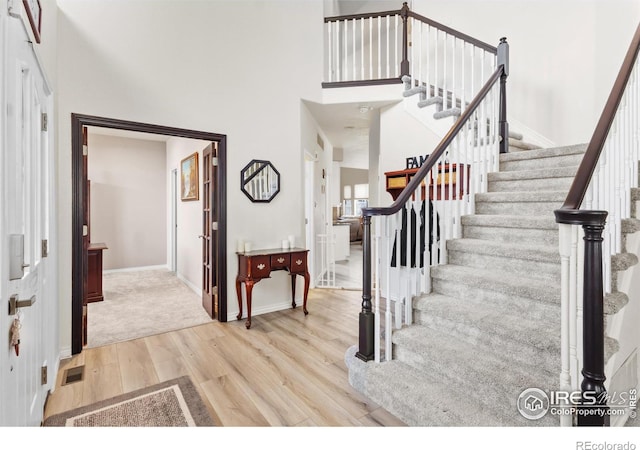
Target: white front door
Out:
[26,274]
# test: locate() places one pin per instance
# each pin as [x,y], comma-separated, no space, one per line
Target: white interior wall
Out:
[564,55]
[401,136]
[323,160]
[128,200]
[189,213]
[209,66]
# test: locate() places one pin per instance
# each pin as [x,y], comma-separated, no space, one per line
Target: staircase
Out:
[491,326]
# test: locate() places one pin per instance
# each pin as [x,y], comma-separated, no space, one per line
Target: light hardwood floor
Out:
[287,370]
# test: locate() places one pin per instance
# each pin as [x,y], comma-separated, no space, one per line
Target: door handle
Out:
[14,303]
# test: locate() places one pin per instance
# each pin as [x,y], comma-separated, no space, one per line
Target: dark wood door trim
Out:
[78,121]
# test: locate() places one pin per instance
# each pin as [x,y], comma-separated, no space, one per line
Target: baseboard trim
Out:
[137,269]
[189,284]
[231,316]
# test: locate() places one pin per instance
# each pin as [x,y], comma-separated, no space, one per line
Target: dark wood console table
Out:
[94,273]
[258,264]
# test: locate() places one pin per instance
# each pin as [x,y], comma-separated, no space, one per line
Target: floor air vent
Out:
[73,375]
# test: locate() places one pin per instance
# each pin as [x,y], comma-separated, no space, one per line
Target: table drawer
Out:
[260,266]
[298,262]
[280,261]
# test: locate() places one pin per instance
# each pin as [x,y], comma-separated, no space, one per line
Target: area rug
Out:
[173,403]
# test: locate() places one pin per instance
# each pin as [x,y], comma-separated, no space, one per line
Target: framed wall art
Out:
[189,178]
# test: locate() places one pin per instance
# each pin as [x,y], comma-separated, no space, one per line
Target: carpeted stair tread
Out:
[437,100]
[519,145]
[515,286]
[623,261]
[523,197]
[420,400]
[510,221]
[544,153]
[485,325]
[451,112]
[470,368]
[556,172]
[508,250]
[614,302]
[629,226]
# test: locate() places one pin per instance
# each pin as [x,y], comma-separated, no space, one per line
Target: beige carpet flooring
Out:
[142,303]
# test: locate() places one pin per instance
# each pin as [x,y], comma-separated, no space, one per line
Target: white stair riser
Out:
[542,270]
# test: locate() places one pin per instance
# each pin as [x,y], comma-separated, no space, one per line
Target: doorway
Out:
[79,227]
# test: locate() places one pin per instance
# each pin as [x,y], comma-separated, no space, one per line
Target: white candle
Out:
[285,243]
[247,247]
[240,247]
[292,241]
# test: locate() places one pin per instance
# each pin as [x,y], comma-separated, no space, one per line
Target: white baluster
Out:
[346,52]
[329,54]
[388,19]
[396,60]
[445,96]
[566,232]
[362,47]
[379,47]
[353,46]
[573,308]
[370,48]
[376,261]
[338,61]
[387,314]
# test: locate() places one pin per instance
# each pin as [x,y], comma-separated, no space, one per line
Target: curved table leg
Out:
[293,290]
[306,292]
[248,285]
[239,292]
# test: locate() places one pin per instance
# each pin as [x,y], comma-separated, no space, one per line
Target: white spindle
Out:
[388,19]
[329,53]
[419,31]
[376,262]
[379,47]
[428,68]
[453,73]
[353,49]
[338,62]
[387,316]
[362,47]
[371,48]
[396,60]
[346,52]
[445,96]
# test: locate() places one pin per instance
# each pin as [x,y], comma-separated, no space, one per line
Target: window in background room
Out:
[348,205]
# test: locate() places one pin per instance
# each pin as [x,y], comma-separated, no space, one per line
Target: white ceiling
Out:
[346,124]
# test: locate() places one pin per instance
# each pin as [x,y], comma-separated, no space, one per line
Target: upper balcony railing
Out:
[385,47]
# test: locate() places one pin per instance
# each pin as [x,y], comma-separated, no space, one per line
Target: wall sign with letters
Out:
[415,162]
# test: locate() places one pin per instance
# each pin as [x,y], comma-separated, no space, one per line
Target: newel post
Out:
[366,319]
[593,410]
[503,60]
[594,402]
[404,64]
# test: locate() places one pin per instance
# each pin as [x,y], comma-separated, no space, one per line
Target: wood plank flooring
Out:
[287,370]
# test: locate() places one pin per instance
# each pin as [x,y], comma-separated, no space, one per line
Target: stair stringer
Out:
[622,310]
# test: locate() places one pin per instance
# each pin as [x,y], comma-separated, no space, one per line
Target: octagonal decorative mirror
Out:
[260,181]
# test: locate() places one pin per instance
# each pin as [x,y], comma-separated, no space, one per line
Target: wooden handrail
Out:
[588,165]
[407,192]
[362,16]
[465,37]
